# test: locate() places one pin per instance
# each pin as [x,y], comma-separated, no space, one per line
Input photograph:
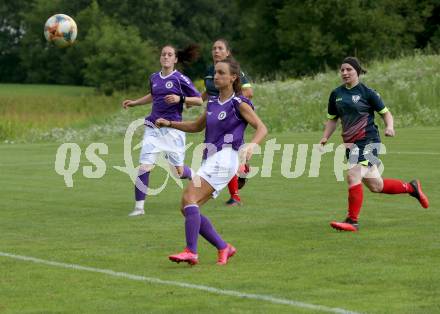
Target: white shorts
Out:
[219,168]
[167,140]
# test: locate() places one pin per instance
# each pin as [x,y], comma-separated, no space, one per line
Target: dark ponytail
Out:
[234,68]
[188,55]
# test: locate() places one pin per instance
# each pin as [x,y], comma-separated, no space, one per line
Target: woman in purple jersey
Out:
[220,51]
[224,121]
[169,91]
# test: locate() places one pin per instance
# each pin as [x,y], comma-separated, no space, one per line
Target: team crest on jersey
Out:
[169,84]
[355,98]
[222,115]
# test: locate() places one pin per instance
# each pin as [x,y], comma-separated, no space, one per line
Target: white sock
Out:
[140,204]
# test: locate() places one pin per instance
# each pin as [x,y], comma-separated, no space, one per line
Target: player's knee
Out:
[188,198]
[375,187]
[352,179]
[145,168]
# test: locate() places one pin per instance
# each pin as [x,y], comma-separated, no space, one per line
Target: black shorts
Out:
[364,152]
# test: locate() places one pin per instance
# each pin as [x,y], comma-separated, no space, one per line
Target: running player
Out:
[169,91]
[225,120]
[355,104]
[221,50]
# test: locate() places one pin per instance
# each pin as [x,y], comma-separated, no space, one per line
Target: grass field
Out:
[28,110]
[285,247]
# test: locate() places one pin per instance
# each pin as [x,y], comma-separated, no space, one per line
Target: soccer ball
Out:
[61,30]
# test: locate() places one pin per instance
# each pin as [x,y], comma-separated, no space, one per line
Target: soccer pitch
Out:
[74,250]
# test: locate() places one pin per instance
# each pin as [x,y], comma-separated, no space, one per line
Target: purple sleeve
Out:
[150,79]
[248,101]
[187,87]
[238,101]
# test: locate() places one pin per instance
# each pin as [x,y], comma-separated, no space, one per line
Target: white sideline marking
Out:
[414,153]
[232,293]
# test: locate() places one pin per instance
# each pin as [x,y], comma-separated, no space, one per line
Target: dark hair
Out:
[188,55]
[354,62]
[226,43]
[234,68]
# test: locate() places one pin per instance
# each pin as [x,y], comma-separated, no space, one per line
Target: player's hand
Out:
[128,103]
[161,122]
[390,132]
[172,99]
[247,152]
[323,141]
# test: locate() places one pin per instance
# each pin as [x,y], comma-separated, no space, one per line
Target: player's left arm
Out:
[389,123]
[188,101]
[190,95]
[379,106]
[260,128]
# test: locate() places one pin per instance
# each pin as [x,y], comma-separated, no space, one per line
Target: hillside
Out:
[410,87]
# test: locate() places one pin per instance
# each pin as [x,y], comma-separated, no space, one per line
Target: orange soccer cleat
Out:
[225,254]
[186,256]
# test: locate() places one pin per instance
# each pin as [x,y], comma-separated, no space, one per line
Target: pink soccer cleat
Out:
[225,254]
[186,256]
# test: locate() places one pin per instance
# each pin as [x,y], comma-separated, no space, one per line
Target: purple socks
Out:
[140,189]
[192,226]
[187,174]
[196,223]
[210,234]
[142,180]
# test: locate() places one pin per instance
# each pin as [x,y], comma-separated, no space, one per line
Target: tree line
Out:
[118,41]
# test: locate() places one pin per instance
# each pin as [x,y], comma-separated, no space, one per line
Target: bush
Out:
[119,58]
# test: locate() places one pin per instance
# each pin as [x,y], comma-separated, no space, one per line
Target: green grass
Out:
[409,86]
[285,246]
[28,110]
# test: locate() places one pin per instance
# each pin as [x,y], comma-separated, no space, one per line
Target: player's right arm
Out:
[330,127]
[185,126]
[332,115]
[147,99]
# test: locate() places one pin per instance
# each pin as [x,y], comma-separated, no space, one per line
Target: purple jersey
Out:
[160,86]
[224,124]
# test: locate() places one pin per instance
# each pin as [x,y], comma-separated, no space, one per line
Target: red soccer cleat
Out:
[418,193]
[243,171]
[225,254]
[186,256]
[346,225]
[233,202]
